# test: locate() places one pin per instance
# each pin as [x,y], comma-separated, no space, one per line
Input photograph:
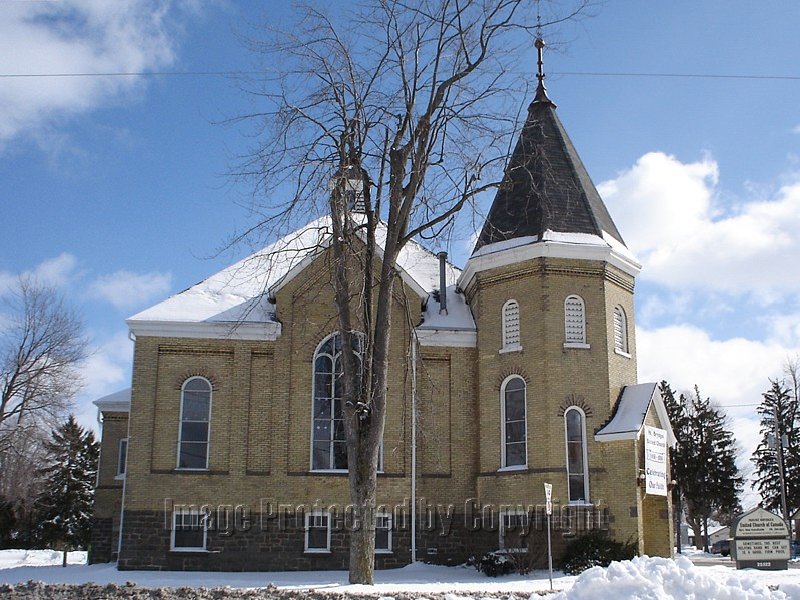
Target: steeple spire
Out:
[546,187]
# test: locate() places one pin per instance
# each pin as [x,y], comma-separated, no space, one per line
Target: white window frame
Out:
[388,517]
[509,346]
[203,519]
[310,515]
[584,448]
[507,512]
[122,464]
[180,424]
[622,347]
[503,463]
[570,340]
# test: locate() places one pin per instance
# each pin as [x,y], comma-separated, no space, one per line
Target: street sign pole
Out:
[548,495]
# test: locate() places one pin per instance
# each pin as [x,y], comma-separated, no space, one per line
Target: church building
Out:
[516,371]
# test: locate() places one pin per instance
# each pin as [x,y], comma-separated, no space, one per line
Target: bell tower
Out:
[551,286]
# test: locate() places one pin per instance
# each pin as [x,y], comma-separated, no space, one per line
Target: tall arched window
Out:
[328,445]
[620,330]
[514,435]
[577,471]
[195,424]
[574,320]
[511,326]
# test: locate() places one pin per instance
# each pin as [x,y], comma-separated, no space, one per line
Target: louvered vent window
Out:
[574,320]
[620,330]
[511,326]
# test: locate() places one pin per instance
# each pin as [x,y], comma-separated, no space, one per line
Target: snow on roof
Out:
[238,296]
[631,411]
[117,402]
[456,327]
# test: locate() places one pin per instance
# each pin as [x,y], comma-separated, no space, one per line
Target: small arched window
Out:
[514,423]
[577,471]
[620,330]
[511,326]
[328,444]
[195,424]
[574,321]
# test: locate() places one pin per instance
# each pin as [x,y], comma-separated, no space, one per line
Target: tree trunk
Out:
[64,557]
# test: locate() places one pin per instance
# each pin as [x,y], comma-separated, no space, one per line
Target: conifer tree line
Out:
[48,463]
[708,481]
[780,443]
[62,479]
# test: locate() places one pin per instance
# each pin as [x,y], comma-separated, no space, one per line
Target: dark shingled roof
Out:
[545,185]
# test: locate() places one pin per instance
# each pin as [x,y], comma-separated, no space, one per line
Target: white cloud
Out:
[107,370]
[673,220]
[75,36]
[126,290]
[54,272]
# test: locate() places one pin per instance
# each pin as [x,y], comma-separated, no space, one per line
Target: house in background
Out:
[520,370]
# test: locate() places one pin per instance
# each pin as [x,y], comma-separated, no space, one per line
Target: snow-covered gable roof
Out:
[235,302]
[117,402]
[631,411]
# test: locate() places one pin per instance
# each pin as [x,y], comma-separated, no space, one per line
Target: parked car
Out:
[722,547]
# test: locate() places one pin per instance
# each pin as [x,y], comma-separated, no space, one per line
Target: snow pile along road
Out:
[645,578]
[10,559]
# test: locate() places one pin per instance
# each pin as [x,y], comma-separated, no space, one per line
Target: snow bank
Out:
[645,578]
[10,559]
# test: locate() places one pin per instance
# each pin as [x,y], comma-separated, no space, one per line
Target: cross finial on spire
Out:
[541,91]
[539,43]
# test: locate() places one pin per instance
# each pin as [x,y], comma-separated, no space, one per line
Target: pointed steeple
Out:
[546,186]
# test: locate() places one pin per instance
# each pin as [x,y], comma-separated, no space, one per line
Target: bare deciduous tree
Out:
[41,346]
[406,105]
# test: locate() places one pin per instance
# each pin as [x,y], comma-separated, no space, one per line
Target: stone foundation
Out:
[268,546]
[102,546]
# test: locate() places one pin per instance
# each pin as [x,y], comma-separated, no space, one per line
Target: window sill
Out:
[191,550]
[317,551]
[120,477]
[383,552]
[621,353]
[580,503]
[510,349]
[191,470]
[512,468]
[576,345]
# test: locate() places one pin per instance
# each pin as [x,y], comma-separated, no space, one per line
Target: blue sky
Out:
[114,189]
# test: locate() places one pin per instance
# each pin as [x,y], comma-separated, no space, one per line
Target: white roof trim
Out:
[116,402]
[630,414]
[447,337]
[211,330]
[589,248]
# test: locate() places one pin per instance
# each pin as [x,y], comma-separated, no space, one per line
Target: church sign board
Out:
[760,541]
[655,461]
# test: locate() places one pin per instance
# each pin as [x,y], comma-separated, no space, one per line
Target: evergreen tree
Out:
[779,400]
[65,504]
[703,461]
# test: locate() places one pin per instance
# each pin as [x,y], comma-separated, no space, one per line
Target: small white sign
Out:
[655,461]
[548,498]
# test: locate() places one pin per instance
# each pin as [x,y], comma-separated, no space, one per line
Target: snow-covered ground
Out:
[640,578]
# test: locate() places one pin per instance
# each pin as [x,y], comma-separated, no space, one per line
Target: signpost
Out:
[760,541]
[655,461]
[548,499]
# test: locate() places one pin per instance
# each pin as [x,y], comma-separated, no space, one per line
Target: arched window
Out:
[195,424]
[328,444]
[620,330]
[511,326]
[577,471]
[514,435]
[574,320]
